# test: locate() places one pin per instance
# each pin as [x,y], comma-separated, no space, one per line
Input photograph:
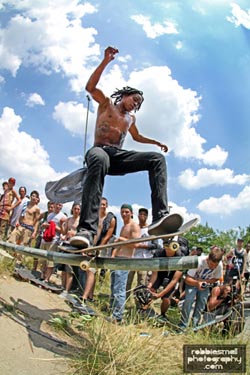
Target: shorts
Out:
[162,277]
[65,268]
[49,246]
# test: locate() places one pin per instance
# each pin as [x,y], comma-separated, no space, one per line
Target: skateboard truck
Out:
[86,263]
[172,245]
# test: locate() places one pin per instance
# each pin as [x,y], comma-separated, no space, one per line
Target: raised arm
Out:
[141,139]
[96,93]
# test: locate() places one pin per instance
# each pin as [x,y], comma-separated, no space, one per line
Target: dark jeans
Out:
[106,160]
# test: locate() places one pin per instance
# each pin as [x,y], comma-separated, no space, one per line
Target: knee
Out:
[157,157]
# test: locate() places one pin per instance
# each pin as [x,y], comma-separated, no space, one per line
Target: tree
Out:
[203,236]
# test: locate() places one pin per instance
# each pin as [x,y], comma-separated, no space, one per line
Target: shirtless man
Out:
[114,121]
[9,200]
[27,224]
[119,278]
[218,296]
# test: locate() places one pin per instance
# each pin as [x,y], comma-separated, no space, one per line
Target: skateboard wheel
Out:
[174,246]
[84,265]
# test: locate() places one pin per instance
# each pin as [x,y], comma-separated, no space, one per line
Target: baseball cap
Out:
[125,205]
[142,209]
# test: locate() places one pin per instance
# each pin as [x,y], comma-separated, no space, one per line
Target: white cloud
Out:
[77,160]
[170,114]
[157,29]
[215,156]
[226,204]
[22,156]
[206,177]
[34,99]
[239,16]
[2,80]
[72,116]
[36,37]
[124,59]
[179,45]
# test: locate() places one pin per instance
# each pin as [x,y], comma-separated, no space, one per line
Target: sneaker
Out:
[169,223]
[82,239]
[64,294]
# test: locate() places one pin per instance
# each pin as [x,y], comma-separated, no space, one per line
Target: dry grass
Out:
[120,350]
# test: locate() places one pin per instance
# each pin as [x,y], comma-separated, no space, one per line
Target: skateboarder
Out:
[114,121]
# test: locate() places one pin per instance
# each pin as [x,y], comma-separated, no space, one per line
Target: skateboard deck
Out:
[77,304]
[94,249]
[34,278]
[217,319]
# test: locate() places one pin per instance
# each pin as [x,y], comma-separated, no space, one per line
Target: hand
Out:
[163,147]
[155,295]
[110,53]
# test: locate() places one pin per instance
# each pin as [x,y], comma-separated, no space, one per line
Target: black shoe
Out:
[82,239]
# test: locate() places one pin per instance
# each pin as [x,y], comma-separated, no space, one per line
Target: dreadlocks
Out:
[118,94]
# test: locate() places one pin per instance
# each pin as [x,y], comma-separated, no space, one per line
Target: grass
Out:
[137,348]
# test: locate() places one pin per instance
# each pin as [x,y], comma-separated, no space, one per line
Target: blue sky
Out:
[191,60]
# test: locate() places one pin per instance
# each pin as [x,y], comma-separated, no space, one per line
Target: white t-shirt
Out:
[141,252]
[203,271]
[17,212]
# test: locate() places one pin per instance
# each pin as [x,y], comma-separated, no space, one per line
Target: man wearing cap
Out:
[6,207]
[119,278]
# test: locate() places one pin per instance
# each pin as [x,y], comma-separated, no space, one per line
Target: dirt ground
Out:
[27,351]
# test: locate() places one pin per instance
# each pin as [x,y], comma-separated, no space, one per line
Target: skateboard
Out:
[77,305]
[94,251]
[217,319]
[34,278]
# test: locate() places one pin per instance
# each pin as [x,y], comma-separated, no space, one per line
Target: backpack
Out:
[184,246]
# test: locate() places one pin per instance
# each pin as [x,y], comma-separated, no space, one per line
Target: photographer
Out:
[169,280]
[209,271]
